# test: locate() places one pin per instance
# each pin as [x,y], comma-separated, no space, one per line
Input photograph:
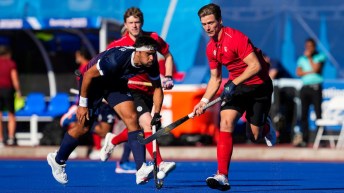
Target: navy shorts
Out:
[105,114]
[113,92]
[143,102]
[254,99]
[7,99]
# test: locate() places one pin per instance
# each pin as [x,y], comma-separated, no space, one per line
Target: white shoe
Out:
[107,148]
[218,181]
[57,169]
[73,155]
[270,137]
[143,173]
[167,167]
[94,155]
[125,168]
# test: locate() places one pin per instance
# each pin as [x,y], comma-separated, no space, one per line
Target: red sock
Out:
[120,138]
[97,141]
[149,147]
[224,152]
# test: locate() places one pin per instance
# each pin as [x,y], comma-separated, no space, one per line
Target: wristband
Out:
[205,100]
[83,101]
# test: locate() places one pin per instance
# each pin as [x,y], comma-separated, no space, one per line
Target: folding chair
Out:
[58,105]
[333,115]
[34,104]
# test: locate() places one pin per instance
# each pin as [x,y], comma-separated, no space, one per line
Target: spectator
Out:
[9,84]
[309,68]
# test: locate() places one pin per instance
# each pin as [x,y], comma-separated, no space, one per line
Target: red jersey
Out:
[127,41]
[231,50]
[6,66]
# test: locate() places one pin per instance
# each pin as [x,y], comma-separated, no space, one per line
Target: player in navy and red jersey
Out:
[143,95]
[106,76]
[248,90]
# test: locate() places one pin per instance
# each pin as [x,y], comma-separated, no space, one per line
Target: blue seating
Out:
[58,105]
[34,104]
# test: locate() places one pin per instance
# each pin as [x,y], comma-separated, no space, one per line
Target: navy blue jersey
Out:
[116,64]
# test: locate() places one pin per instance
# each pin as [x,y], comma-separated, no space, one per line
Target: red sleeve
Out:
[163,46]
[111,45]
[213,63]
[13,65]
[244,45]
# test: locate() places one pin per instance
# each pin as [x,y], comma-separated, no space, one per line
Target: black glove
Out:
[228,90]
[156,120]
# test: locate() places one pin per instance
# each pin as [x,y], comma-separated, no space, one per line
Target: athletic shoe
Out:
[94,155]
[107,148]
[57,169]
[218,181]
[73,155]
[10,141]
[69,117]
[2,144]
[125,168]
[167,167]
[142,175]
[270,137]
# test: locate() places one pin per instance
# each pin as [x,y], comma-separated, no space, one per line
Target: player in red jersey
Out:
[248,89]
[143,95]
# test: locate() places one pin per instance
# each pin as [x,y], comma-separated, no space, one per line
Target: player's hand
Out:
[156,120]
[167,83]
[228,91]
[199,108]
[82,114]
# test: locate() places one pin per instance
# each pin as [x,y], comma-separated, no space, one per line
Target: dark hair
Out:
[85,53]
[145,41]
[210,9]
[4,50]
[133,11]
[312,41]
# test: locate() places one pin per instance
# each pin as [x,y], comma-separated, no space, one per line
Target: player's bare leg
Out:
[126,110]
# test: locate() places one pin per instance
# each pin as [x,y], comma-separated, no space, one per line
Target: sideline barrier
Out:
[179,102]
[32,138]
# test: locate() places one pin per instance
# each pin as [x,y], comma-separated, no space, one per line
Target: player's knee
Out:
[254,139]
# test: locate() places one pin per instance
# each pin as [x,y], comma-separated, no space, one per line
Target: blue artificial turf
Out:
[26,176]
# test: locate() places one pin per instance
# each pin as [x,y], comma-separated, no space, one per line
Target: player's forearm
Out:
[86,81]
[158,98]
[250,71]
[168,65]
[212,87]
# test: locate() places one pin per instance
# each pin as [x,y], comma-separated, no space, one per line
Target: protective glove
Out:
[228,91]
[167,83]
[156,120]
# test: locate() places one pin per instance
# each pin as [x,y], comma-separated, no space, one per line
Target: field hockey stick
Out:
[140,83]
[74,91]
[158,182]
[170,127]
